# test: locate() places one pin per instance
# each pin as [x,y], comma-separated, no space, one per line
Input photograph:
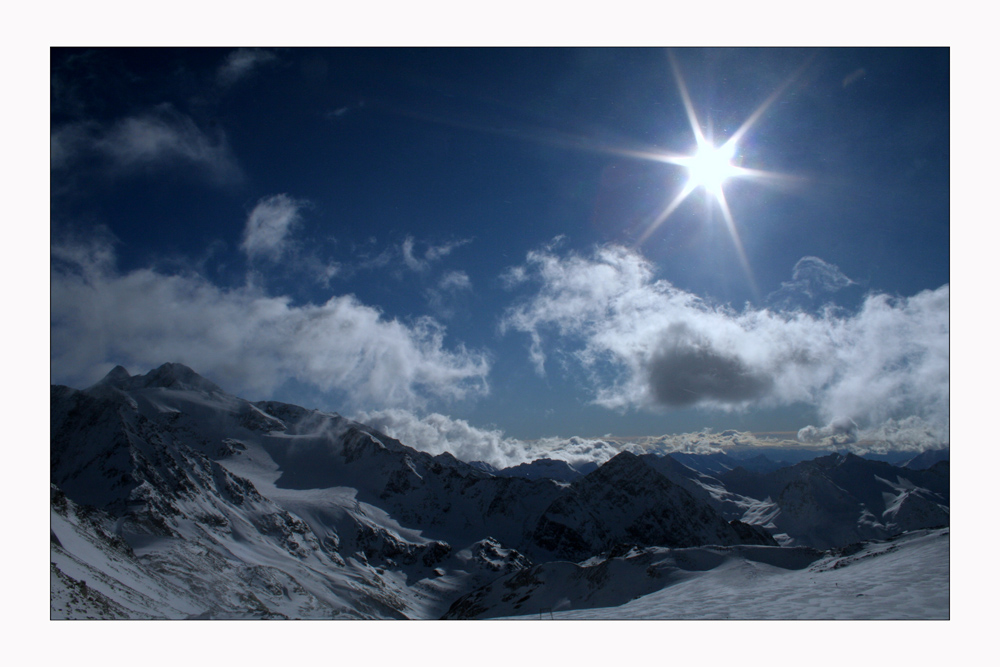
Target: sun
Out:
[711,166]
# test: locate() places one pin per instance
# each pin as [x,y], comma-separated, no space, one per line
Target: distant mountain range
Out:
[173,499]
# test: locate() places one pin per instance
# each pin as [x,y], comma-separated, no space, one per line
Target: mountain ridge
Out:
[270,510]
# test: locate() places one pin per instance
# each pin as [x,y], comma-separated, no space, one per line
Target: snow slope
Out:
[904,578]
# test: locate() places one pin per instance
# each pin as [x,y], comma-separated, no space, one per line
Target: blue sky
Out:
[479,234]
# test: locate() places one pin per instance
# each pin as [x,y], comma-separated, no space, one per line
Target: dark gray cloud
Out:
[688,370]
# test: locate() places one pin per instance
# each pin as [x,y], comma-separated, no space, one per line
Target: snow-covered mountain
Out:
[842,498]
[626,501]
[172,498]
[256,513]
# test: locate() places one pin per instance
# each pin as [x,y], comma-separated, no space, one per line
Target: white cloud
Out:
[840,431]
[908,433]
[436,433]
[240,63]
[650,345]
[913,433]
[243,339]
[513,276]
[268,226]
[159,138]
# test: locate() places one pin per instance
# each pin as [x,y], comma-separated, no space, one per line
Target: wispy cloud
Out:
[455,281]
[162,137]
[244,339]
[445,296]
[405,255]
[241,63]
[422,262]
[268,226]
[812,281]
[650,345]
[443,291]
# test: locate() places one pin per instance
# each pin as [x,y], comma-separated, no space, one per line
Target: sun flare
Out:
[711,166]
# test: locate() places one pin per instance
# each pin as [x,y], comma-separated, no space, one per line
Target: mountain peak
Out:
[118,373]
[625,469]
[623,462]
[176,376]
[117,377]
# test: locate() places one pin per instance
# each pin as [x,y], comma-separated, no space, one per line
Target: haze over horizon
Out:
[515,243]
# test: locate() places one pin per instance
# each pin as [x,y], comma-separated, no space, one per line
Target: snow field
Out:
[904,579]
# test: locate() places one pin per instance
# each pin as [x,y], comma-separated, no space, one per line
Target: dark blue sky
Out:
[485,207]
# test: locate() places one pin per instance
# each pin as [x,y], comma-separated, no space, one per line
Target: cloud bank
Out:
[649,345]
[436,433]
[244,339]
